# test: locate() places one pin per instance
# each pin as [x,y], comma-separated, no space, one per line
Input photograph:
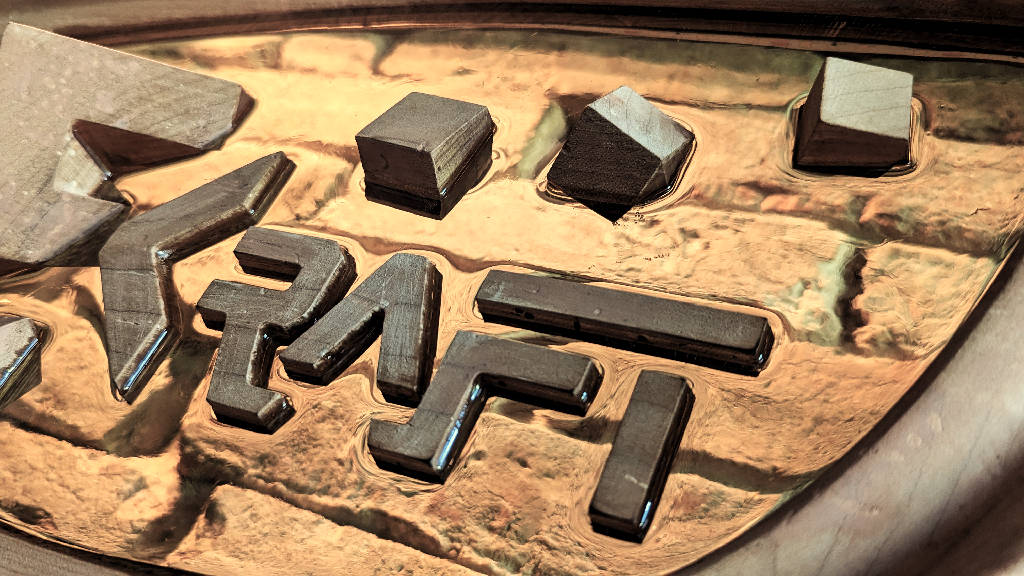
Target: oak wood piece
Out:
[856,117]
[648,437]
[20,352]
[425,152]
[140,313]
[400,302]
[475,367]
[622,151]
[722,339]
[76,116]
[255,320]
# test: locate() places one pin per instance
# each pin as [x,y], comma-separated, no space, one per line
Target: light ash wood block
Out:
[856,116]
[76,116]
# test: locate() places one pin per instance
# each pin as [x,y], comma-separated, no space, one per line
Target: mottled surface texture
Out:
[55,187]
[862,280]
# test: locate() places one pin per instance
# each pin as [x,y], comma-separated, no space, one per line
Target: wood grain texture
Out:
[20,352]
[622,150]
[857,116]
[400,302]
[645,444]
[153,113]
[422,145]
[722,339]
[138,295]
[475,367]
[256,320]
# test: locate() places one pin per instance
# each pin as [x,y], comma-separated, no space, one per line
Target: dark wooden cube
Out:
[425,153]
[622,151]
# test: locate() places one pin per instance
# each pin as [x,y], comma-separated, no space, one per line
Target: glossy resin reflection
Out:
[861,280]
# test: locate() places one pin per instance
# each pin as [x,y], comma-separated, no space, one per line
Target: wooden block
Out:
[475,367]
[76,116]
[856,117]
[722,339]
[645,444]
[401,303]
[256,320]
[621,151]
[20,350]
[425,153]
[135,264]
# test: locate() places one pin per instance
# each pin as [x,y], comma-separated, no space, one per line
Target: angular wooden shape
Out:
[657,326]
[400,302]
[425,152]
[621,151]
[138,296]
[856,116]
[475,367]
[648,437]
[20,351]
[255,320]
[48,83]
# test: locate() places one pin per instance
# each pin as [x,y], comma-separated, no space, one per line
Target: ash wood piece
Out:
[477,366]
[140,314]
[425,152]
[622,151]
[20,350]
[722,339]
[400,302]
[856,117]
[634,475]
[76,116]
[256,320]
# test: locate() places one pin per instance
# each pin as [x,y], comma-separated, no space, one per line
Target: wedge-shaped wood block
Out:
[648,437]
[255,320]
[621,151]
[856,117]
[75,116]
[20,350]
[425,153]
[400,302]
[475,367]
[135,264]
[713,337]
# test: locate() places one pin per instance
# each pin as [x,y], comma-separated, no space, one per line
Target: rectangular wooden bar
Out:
[723,339]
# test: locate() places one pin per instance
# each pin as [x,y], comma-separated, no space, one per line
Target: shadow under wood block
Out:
[475,367]
[856,119]
[255,320]
[62,99]
[622,151]
[721,339]
[634,474]
[400,302]
[425,152]
[140,316]
[20,350]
